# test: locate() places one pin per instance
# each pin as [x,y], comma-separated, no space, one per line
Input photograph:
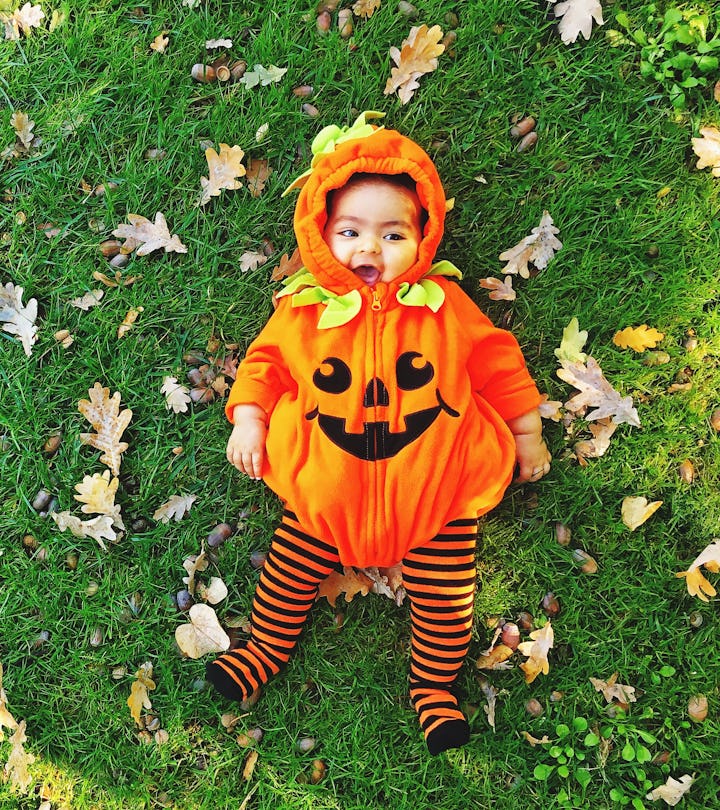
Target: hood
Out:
[385,151]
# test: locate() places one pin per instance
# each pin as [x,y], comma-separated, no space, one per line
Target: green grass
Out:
[608,142]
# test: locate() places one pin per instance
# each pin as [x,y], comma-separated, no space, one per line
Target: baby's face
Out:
[374,230]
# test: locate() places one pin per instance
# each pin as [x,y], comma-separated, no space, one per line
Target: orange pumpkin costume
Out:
[387,435]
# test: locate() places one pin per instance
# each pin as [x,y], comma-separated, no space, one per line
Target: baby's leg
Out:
[288,584]
[440,581]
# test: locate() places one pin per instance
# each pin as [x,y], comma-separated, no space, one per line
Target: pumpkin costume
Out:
[387,436]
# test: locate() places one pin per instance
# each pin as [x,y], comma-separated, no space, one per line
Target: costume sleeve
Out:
[496,365]
[263,375]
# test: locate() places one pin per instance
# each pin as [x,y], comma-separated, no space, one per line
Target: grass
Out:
[608,143]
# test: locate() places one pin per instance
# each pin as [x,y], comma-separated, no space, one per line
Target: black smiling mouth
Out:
[377,441]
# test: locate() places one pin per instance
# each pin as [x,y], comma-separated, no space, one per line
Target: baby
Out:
[385,410]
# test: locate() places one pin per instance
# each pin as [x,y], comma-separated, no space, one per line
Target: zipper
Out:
[376,305]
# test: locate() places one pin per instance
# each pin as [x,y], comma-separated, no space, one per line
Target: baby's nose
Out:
[369,243]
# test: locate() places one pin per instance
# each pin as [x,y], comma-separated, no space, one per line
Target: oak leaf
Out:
[223,170]
[350,582]
[491,692]
[697,584]
[535,740]
[160,42]
[550,408]
[193,564]
[16,768]
[612,690]
[139,698]
[104,414]
[495,658]
[23,127]
[6,719]
[258,172]
[99,528]
[146,237]
[387,582]
[117,281]
[96,493]
[672,791]
[130,317]
[602,431]
[90,299]
[203,634]
[365,8]
[638,338]
[538,249]
[177,396]
[636,510]
[501,290]
[537,652]
[417,56]
[28,17]
[210,44]
[17,319]
[596,392]
[577,18]
[707,148]
[263,76]
[287,266]
[573,340]
[175,508]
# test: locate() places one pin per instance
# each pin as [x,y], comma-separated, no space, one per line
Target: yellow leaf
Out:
[636,510]
[223,170]
[139,689]
[350,582]
[160,42]
[97,494]
[417,56]
[638,338]
[365,8]
[203,634]
[672,791]
[104,414]
[537,651]
[707,148]
[495,658]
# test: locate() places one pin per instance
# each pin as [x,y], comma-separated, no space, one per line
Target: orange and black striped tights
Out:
[440,581]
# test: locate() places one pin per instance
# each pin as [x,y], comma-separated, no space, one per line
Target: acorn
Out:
[110,248]
[527,143]
[223,73]
[203,73]
[250,701]
[219,535]
[319,769]
[523,127]
[257,559]
[550,605]
[52,444]
[96,637]
[41,639]
[184,600]
[524,621]
[695,619]
[30,543]
[119,261]
[92,588]
[71,560]
[310,110]
[407,9]
[303,91]
[42,500]
[510,635]
[338,621]
[323,22]
[237,69]
[562,534]
[345,22]
[451,19]
[250,737]
[587,564]
[686,471]
[715,420]
[534,707]
[139,525]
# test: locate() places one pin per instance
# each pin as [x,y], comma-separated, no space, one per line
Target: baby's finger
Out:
[257,462]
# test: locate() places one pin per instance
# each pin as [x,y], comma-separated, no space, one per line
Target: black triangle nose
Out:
[376,393]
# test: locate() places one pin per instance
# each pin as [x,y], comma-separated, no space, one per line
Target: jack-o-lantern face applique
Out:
[377,441]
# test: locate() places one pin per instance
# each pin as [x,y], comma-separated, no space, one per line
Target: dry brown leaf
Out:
[175,508]
[97,494]
[495,658]
[602,431]
[365,8]
[139,689]
[90,299]
[501,290]
[160,42]
[287,266]
[696,582]
[130,317]
[637,509]
[211,44]
[596,392]
[16,767]
[707,148]
[98,528]
[612,690]
[6,719]
[258,172]
[117,281]
[538,249]
[251,260]
[350,582]
[672,791]
[203,634]
[698,708]
[146,237]
[491,694]
[29,17]
[534,740]
[550,408]
[537,652]
[223,170]
[193,564]
[212,593]
[23,127]
[577,18]
[638,338]
[417,56]
[250,763]
[177,396]
[17,319]
[387,582]
[104,414]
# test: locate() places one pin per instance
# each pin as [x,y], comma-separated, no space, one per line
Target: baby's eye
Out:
[394,237]
[349,232]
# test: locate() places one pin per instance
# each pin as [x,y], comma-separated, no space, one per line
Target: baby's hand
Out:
[533,457]
[246,446]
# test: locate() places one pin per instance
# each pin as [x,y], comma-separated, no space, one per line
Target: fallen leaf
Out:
[596,392]
[262,131]
[538,249]
[534,740]
[638,338]
[98,528]
[350,582]
[636,510]
[365,8]
[210,44]
[175,508]
[287,266]
[177,396]
[387,582]
[146,236]
[104,414]
[697,708]
[90,299]
[17,319]
[573,340]
[6,719]
[490,692]
[418,55]
[16,767]
[612,690]
[223,170]
[117,281]
[502,290]
[251,260]
[602,431]
[550,408]
[495,658]
[537,652]
[577,18]
[139,689]
[697,584]
[193,564]
[250,763]
[707,148]
[203,634]
[262,76]
[214,592]
[23,127]
[672,791]
[97,494]
[258,172]
[160,43]
[130,317]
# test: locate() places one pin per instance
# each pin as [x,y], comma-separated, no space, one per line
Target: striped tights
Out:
[440,581]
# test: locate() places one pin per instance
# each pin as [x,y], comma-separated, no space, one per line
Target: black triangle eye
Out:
[337,381]
[409,376]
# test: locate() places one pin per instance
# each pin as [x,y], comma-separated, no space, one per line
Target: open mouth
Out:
[369,274]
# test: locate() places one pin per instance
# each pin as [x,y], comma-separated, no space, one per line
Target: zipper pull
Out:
[376,302]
